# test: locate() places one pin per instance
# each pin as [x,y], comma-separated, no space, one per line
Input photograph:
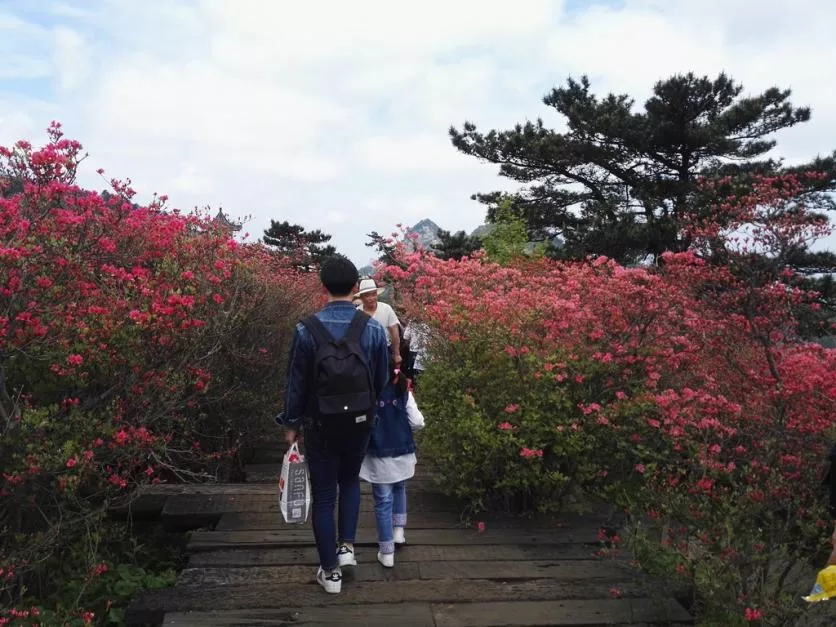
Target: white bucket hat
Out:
[366,286]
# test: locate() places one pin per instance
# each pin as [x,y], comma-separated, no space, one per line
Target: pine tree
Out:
[456,245]
[307,248]
[618,181]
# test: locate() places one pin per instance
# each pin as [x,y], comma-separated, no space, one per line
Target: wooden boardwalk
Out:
[249,568]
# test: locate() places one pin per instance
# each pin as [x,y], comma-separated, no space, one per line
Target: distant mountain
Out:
[427,232]
[481,230]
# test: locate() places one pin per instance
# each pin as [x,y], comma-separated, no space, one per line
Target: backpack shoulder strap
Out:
[357,326]
[318,330]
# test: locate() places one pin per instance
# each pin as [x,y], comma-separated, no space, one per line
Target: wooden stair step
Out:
[383,615]
[150,606]
[261,521]
[270,472]
[211,540]
[253,521]
[572,613]
[370,570]
[242,557]
[564,613]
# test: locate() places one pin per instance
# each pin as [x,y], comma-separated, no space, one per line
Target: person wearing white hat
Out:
[367,292]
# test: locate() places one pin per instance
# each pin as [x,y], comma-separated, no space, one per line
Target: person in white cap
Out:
[383,313]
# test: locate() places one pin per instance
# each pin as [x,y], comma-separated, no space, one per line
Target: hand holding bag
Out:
[294,487]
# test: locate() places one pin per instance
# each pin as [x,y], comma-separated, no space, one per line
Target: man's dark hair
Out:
[338,275]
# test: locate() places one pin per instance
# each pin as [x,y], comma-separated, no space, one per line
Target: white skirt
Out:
[388,469]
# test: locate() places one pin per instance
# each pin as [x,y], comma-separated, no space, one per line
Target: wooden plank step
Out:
[273,575]
[269,472]
[150,606]
[238,489]
[563,613]
[558,613]
[253,521]
[370,570]
[241,557]
[215,506]
[400,614]
[211,540]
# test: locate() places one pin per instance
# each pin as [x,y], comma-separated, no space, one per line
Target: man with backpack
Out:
[339,364]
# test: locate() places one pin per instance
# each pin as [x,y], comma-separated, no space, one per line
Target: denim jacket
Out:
[335,316]
[392,433]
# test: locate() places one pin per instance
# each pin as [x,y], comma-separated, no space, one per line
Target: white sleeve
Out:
[416,418]
[407,332]
[393,318]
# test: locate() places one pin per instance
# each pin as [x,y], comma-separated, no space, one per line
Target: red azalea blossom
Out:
[752,614]
[701,367]
[113,337]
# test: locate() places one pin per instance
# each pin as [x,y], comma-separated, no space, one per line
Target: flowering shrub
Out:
[682,393]
[137,345]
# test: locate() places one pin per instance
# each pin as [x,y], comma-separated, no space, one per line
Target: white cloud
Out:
[320,32]
[334,114]
[21,49]
[70,58]
[411,155]
[191,180]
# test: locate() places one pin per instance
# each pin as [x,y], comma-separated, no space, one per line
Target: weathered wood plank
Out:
[227,489]
[254,521]
[210,540]
[141,507]
[564,613]
[260,521]
[400,614]
[370,570]
[556,570]
[270,575]
[208,489]
[200,504]
[150,606]
[269,472]
[230,558]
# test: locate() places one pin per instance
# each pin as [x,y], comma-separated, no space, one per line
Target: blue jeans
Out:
[334,464]
[389,512]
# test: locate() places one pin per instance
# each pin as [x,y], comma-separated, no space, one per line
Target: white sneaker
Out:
[399,537]
[331,582]
[345,556]
[386,559]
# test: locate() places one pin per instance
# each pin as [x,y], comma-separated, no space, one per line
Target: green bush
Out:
[504,437]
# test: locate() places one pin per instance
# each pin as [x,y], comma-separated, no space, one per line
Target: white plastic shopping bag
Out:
[294,487]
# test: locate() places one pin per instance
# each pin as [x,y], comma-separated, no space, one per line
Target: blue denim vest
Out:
[391,435]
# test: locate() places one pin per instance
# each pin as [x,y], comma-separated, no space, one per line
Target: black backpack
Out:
[342,378]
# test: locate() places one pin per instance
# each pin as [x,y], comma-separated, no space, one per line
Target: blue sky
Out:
[334,114]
